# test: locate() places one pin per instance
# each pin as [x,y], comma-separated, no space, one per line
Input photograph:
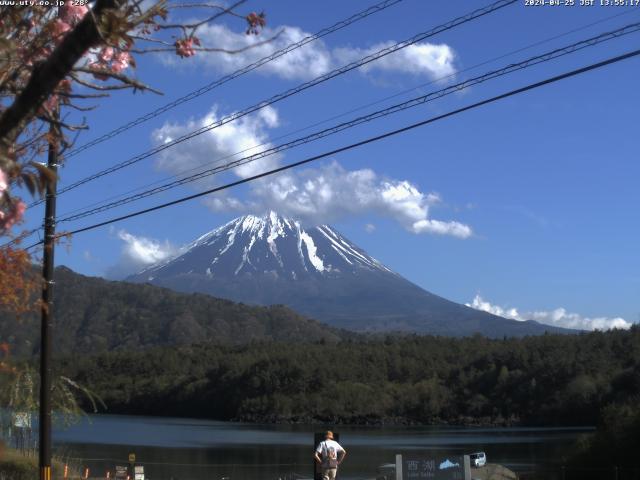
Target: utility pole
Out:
[46,322]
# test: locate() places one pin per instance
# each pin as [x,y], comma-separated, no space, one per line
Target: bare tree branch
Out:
[128,82]
[62,124]
[153,40]
[82,96]
[210,49]
[223,10]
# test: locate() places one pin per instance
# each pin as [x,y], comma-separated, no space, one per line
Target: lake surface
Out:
[188,449]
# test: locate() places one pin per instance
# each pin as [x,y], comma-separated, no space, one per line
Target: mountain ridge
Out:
[93,315]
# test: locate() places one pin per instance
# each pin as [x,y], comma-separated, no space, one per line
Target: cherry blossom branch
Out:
[172,48]
[48,74]
[38,69]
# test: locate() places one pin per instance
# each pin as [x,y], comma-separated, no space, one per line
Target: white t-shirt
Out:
[328,451]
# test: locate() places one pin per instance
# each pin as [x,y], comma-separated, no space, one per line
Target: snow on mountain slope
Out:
[252,245]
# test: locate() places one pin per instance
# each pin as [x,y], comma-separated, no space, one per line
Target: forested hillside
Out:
[94,315]
[544,380]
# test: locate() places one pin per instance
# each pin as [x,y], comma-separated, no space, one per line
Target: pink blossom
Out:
[72,14]
[29,56]
[98,66]
[121,60]
[20,208]
[255,22]
[184,48]
[106,54]
[65,85]
[59,28]
[13,216]
[4,184]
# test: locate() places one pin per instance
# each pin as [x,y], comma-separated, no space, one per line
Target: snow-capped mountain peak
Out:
[269,244]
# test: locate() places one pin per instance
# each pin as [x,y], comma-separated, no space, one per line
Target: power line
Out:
[473,67]
[353,110]
[293,91]
[242,71]
[376,138]
[536,60]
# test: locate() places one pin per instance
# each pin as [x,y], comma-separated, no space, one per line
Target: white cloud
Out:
[315,196]
[242,135]
[309,61]
[143,250]
[315,58]
[480,304]
[435,61]
[558,317]
[138,252]
[220,202]
[325,194]
[370,228]
[455,229]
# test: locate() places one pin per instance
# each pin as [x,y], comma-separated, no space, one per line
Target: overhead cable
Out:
[369,140]
[293,91]
[184,172]
[414,102]
[246,69]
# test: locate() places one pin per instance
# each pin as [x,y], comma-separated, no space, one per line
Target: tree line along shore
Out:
[540,380]
[590,379]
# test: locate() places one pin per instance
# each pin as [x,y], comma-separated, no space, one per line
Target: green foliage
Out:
[616,442]
[20,392]
[94,315]
[545,380]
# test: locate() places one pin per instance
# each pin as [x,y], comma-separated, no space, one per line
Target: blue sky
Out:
[527,207]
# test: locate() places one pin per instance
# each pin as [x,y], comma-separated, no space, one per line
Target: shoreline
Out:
[277,420]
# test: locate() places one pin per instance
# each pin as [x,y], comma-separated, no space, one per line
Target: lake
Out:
[189,449]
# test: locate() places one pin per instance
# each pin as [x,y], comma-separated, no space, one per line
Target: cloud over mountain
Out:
[330,192]
[315,195]
[558,317]
[137,252]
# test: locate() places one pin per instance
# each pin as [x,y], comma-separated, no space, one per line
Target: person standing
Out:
[329,454]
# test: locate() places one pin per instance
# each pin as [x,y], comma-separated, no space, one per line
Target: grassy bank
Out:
[15,465]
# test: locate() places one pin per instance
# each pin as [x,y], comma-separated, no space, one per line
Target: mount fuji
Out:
[316,271]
